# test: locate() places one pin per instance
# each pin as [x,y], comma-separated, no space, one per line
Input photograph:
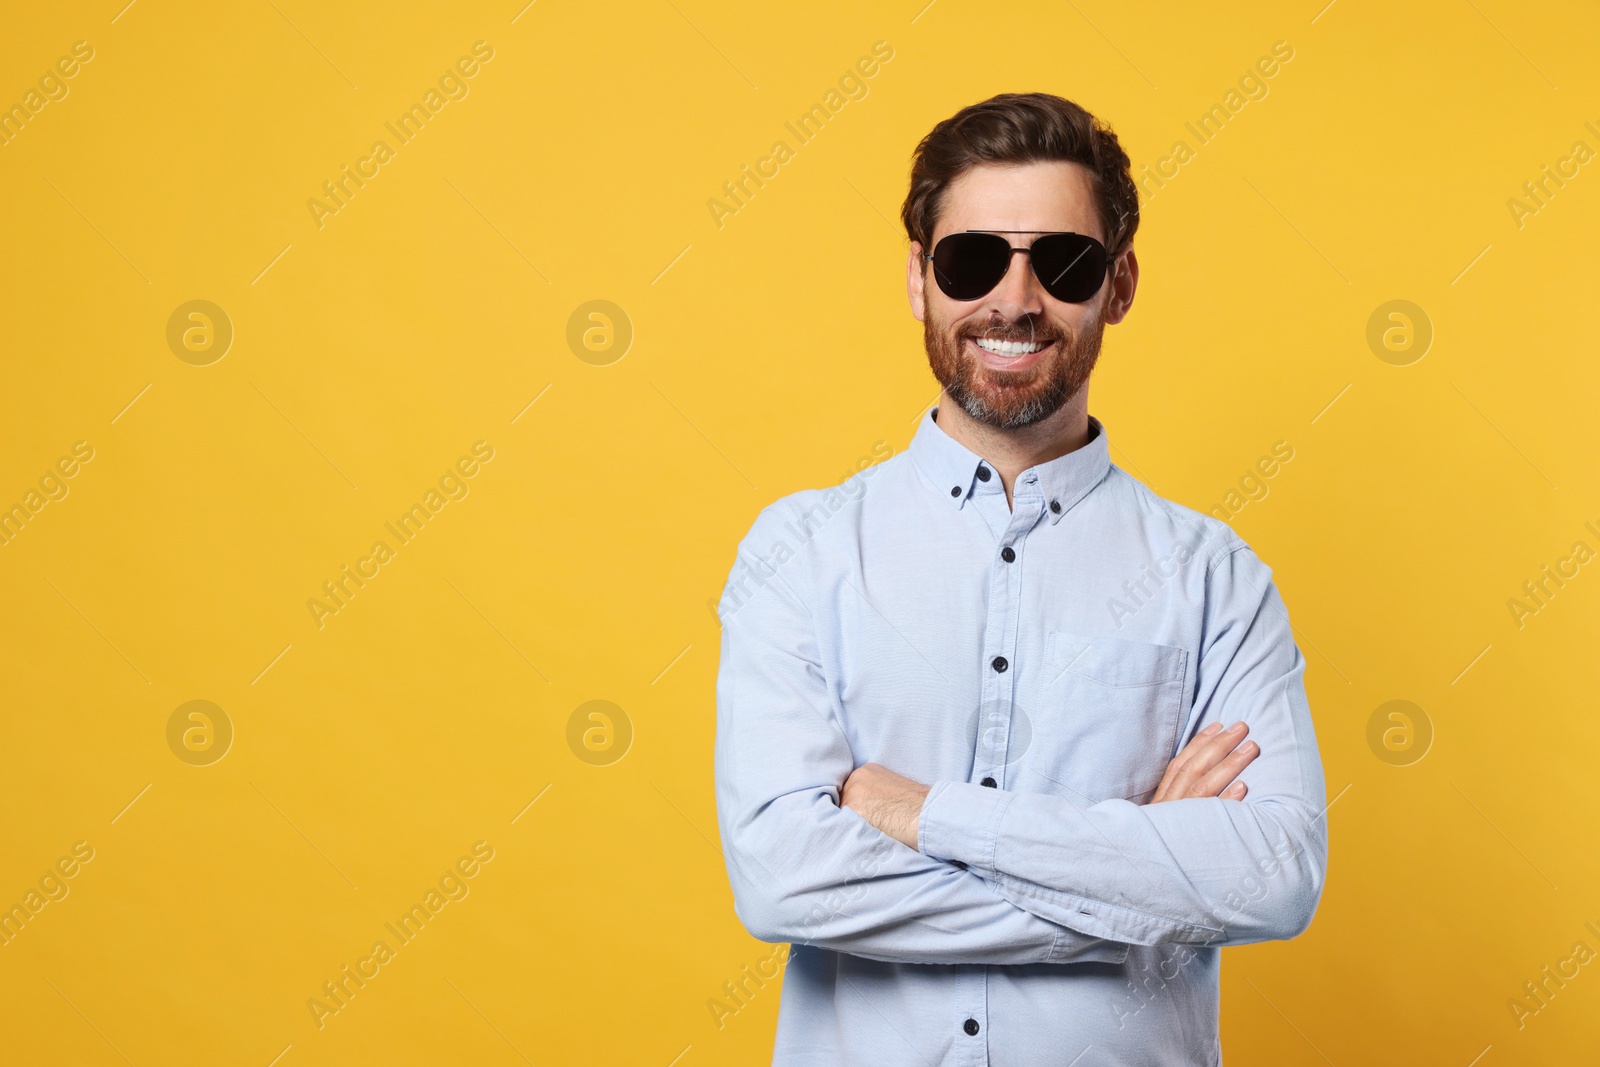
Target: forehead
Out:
[1028,197]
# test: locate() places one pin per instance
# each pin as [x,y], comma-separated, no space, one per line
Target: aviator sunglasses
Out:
[1070,266]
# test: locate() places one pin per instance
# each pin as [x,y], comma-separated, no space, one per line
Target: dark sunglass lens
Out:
[968,265]
[1070,266]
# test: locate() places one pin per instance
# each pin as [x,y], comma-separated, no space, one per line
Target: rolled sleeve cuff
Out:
[961,822]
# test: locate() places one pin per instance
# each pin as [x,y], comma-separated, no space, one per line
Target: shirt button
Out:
[983,474]
[1055,506]
[1000,664]
[955,490]
[989,782]
[958,863]
[971,1027]
[1008,555]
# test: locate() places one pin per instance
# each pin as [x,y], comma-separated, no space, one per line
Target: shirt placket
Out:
[997,710]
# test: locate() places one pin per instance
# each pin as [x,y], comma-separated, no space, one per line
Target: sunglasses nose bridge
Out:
[1019,286]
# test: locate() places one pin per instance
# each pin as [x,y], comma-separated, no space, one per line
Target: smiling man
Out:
[1001,819]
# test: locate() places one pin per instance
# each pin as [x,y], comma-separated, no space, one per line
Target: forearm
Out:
[1197,871]
[808,872]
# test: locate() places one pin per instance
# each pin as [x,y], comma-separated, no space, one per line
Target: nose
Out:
[1019,292]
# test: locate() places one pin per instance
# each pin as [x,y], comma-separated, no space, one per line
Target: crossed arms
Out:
[867,862]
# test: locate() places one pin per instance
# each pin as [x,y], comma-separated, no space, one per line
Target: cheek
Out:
[961,320]
[1054,326]
[1087,321]
[937,324]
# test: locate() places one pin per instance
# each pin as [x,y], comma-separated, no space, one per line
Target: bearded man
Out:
[981,752]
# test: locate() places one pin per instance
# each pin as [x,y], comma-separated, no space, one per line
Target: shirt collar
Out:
[954,470]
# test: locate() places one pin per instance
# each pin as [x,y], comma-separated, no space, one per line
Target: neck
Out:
[1010,452]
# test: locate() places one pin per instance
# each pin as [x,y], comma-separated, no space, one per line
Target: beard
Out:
[1004,399]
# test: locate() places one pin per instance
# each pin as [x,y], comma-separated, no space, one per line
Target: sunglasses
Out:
[1070,266]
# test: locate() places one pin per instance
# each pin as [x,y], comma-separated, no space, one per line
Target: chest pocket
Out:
[1109,715]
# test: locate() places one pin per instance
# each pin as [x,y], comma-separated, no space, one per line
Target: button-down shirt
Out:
[1038,665]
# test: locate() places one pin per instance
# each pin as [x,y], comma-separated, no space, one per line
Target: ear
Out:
[915,278]
[1124,280]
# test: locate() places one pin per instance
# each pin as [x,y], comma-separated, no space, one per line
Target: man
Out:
[981,709]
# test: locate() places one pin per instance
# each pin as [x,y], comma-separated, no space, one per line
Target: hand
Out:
[891,802]
[1208,764]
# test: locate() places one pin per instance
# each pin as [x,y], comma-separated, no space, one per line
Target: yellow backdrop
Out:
[385,392]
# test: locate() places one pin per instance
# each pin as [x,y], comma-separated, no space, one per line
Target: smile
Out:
[1010,348]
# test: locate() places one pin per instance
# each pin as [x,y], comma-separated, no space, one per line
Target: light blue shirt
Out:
[1038,666]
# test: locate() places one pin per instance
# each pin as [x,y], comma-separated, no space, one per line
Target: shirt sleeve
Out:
[805,870]
[1195,871]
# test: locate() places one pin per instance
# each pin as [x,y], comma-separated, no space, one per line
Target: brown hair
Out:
[1016,128]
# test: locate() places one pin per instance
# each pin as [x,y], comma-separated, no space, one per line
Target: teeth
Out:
[1008,348]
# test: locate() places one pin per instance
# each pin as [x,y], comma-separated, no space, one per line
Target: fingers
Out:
[1183,759]
[1211,761]
[1212,782]
[1195,744]
[1205,751]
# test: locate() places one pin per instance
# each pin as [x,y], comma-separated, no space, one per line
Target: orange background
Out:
[742,357]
